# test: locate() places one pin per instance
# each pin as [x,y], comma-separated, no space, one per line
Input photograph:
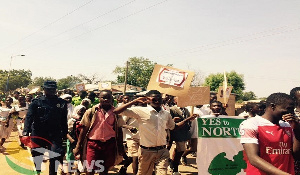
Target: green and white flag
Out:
[219,151]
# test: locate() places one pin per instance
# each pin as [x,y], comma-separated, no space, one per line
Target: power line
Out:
[82,24]
[108,24]
[273,78]
[247,38]
[48,25]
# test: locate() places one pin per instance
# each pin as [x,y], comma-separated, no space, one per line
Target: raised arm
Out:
[183,122]
[122,108]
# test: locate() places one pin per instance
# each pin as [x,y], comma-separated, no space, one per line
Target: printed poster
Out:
[219,151]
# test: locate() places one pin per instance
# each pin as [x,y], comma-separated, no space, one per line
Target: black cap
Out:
[49,84]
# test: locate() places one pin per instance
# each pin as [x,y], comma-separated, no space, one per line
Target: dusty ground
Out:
[21,157]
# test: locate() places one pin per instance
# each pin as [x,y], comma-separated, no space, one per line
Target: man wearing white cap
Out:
[68,99]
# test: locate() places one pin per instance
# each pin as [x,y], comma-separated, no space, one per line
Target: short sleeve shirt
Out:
[275,143]
[152,124]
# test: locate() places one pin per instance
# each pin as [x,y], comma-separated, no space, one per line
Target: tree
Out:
[233,79]
[139,72]
[68,82]
[198,78]
[93,79]
[17,79]
[39,81]
[248,96]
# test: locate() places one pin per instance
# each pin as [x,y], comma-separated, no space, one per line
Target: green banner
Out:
[215,127]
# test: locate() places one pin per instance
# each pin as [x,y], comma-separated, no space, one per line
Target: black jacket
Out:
[47,117]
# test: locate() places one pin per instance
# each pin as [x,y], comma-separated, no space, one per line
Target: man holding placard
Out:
[218,149]
[179,136]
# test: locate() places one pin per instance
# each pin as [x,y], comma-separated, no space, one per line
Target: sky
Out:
[258,39]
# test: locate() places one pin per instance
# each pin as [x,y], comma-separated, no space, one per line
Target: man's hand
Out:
[72,140]
[26,140]
[133,130]
[193,117]
[76,151]
[177,119]
[142,100]
[292,119]
[225,105]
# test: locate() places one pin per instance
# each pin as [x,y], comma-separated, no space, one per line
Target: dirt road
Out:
[16,160]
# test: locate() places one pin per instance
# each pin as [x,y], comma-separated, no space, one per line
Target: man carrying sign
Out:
[179,136]
[271,141]
[218,149]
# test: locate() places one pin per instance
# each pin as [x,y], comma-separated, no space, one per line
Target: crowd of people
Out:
[141,130]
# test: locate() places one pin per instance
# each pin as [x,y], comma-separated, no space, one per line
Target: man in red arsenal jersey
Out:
[271,141]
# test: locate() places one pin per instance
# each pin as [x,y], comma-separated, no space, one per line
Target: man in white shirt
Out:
[15,98]
[68,99]
[153,121]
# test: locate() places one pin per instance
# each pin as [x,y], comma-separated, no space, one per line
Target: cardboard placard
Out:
[170,80]
[230,110]
[80,87]
[105,86]
[195,96]
[224,97]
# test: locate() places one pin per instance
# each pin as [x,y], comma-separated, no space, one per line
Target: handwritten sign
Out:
[104,85]
[169,80]
[80,87]
[195,96]
[172,77]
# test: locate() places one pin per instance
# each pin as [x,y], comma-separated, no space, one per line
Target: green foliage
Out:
[17,79]
[39,81]
[248,96]
[233,79]
[139,72]
[68,82]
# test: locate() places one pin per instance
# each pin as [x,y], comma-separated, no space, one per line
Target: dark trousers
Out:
[53,147]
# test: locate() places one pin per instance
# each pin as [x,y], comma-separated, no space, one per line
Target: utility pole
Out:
[126,74]
[7,81]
